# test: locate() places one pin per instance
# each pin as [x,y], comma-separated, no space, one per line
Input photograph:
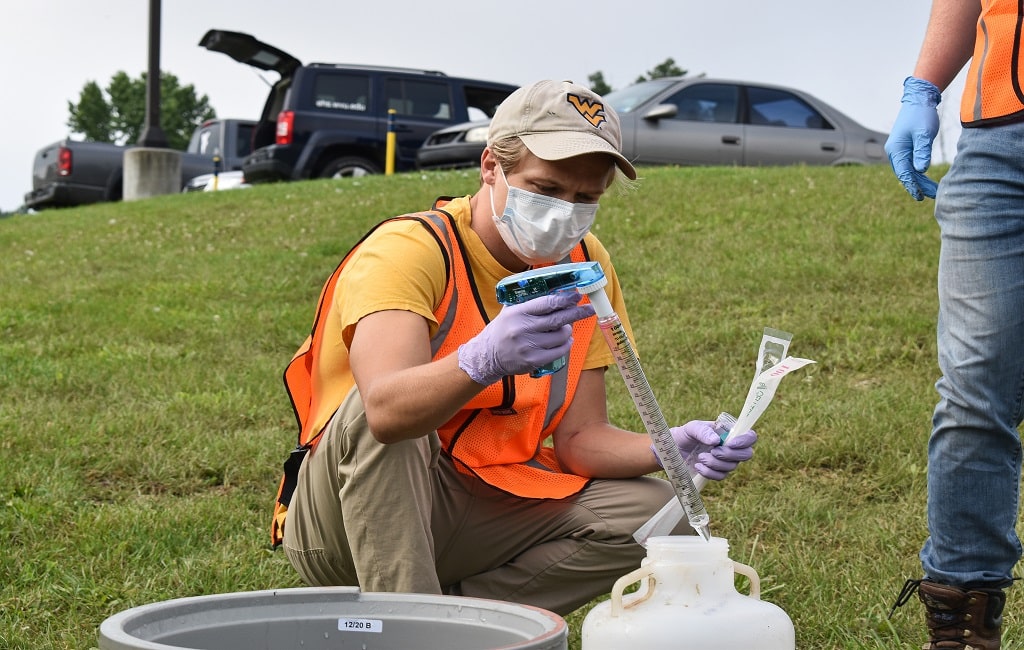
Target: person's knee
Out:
[625,505]
[316,569]
[652,494]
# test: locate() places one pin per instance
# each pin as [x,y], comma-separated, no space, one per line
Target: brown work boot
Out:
[962,619]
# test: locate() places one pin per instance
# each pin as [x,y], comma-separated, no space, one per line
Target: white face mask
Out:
[539,228]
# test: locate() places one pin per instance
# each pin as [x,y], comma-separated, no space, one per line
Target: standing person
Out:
[429,471]
[974,453]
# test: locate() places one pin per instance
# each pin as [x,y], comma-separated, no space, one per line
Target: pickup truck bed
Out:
[69,172]
[58,178]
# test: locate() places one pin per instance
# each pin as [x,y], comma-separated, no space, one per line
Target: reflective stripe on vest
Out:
[994,90]
[499,436]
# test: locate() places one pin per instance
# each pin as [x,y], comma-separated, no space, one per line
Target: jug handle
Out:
[755,580]
[628,579]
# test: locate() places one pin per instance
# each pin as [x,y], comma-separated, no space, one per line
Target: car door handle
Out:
[730,139]
[829,146]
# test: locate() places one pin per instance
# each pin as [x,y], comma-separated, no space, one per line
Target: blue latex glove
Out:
[523,337]
[910,143]
[700,444]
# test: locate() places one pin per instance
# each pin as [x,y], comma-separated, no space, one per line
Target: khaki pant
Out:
[401,518]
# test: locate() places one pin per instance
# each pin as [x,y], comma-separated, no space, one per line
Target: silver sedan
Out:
[703,121]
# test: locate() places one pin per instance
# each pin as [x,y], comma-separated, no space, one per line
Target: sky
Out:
[852,55]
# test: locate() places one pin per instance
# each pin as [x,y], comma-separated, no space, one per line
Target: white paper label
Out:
[360,625]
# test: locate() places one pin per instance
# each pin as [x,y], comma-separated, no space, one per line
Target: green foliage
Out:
[118,113]
[666,68]
[143,421]
[93,115]
[598,84]
[128,107]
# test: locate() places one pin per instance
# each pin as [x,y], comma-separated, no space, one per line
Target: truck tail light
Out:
[63,161]
[285,124]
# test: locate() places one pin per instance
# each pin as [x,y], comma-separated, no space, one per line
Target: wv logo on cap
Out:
[592,111]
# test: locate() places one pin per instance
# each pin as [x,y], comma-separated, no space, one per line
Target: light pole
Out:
[152,168]
[152,135]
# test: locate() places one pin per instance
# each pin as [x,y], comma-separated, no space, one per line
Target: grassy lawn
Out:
[143,419]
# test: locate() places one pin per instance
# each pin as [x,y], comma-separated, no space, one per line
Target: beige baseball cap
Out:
[558,120]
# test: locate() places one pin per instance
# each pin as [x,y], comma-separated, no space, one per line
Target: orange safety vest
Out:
[994,90]
[498,436]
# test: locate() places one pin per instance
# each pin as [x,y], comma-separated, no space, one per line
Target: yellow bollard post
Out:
[389,152]
[216,170]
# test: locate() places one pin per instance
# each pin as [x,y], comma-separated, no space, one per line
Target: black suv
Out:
[326,120]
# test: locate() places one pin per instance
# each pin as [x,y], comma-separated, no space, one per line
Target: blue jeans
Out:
[974,453]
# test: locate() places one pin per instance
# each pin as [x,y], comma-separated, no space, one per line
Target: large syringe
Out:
[588,278]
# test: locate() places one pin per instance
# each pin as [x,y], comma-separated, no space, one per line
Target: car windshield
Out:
[626,99]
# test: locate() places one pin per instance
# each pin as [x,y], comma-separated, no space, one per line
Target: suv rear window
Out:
[422,99]
[483,100]
[342,92]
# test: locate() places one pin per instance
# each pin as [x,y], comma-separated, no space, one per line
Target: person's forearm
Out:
[948,41]
[605,451]
[415,401]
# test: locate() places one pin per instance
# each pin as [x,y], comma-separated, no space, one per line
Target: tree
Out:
[666,68]
[598,84]
[117,113]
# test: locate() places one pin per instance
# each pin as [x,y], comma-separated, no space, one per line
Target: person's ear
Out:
[488,167]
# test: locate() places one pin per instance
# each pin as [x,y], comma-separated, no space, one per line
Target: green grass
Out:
[143,419]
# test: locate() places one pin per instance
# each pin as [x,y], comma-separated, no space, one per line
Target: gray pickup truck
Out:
[69,172]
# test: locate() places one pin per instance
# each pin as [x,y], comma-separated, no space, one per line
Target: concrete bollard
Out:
[150,171]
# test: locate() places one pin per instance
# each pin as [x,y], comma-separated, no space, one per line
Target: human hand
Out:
[701,446]
[910,142]
[523,337]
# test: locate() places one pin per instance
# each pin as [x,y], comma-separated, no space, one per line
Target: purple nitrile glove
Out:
[702,448]
[523,337]
[910,142]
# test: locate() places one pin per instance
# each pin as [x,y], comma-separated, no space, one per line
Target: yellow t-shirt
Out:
[401,266]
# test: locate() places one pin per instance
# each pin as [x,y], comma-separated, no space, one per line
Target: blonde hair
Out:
[509,151]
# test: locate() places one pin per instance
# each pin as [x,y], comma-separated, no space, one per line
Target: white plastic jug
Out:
[687,599]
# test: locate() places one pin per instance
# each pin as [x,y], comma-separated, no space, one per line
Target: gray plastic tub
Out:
[332,618]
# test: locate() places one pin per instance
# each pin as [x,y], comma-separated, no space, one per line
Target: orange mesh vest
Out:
[498,436]
[994,90]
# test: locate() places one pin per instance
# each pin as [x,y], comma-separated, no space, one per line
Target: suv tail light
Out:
[63,161]
[285,124]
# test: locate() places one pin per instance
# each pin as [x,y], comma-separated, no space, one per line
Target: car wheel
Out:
[115,186]
[115,191]
[348,167]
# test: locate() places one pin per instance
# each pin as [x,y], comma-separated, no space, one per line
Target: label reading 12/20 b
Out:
[360,625]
